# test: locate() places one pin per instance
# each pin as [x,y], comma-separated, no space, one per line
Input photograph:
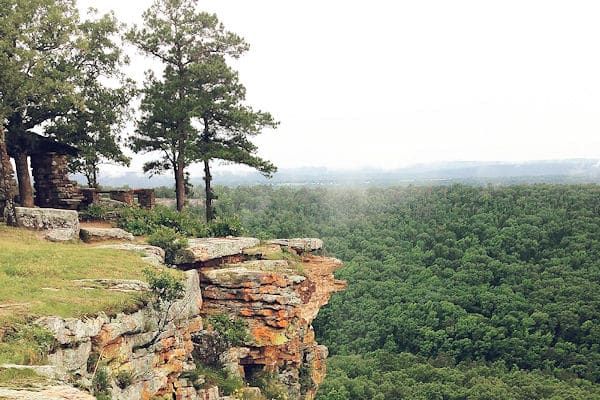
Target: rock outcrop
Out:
[213,251]
[278,299]
[60,225]
[276,289]
[152,348]
[91,235]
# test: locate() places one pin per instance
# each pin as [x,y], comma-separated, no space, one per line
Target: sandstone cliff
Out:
[276,289]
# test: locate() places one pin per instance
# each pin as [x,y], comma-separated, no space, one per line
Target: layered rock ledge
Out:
[278,299]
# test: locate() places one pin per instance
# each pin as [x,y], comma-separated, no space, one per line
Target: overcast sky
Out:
[390,83]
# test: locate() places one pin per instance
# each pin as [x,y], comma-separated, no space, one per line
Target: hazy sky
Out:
[389,83]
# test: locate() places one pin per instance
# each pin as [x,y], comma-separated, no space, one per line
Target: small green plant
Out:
[169,240]
[100,383]
[124,379]
[225,226]
[233,330]
[96,212]
[140,221]
[226,382]
[165,287]
[269,385]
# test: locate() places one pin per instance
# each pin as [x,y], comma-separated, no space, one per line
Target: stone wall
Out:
[53,189]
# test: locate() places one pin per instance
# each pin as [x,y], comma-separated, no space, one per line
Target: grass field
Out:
[36,279]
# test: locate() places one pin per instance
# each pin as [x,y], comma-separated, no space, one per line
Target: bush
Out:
[165,286]
[269,385]
[140,221]
[100,382]
[226,382]
[233,330]
[124,379]
[169,240]
[229,226]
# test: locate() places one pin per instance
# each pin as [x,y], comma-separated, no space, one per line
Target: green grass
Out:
[36,279]
[20,378]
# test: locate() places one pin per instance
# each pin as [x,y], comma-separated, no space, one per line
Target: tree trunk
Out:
[210,213]
[7,182]
[25,189]
[91,174]
[180,185]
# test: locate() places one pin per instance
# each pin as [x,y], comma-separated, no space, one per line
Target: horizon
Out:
[428,82]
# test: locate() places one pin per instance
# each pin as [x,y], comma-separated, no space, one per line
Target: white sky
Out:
[390,83]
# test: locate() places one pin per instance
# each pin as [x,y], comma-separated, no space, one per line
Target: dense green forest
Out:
[454,292]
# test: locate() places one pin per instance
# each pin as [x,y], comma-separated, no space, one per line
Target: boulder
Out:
[90,235]
[115,285]
[62,235]
[48,219]
[152,254]
[207,249]
[301,245]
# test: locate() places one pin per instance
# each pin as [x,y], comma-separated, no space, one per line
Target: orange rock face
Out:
[279,301]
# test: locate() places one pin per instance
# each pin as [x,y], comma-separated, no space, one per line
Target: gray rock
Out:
[62,235]
[206,249]
[90,235]
[116,285]
[302,245]
[152,254]
[47,219]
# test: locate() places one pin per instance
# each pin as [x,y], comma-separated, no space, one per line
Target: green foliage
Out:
[27,344]
[233,330]
[505,278]
[383,375]
[100,382]
[124,379]
[53,70]
[97,212]
[197,89]
[141,221]
[270,387]
[225,226]
[165,286]
[169,240]
[226,382]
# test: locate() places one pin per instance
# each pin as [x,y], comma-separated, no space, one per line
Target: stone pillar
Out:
[90,196]
[53,189]
[124,196]
[146,198]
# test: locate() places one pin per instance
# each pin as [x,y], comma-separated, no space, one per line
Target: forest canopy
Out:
[454,292]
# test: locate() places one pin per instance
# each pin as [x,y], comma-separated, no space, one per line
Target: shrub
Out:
[233,330]
[100,382]
[169,240]
[124,379]
[226,382]
[228,226]
[269,385]
[140,221]
[94,212]
[165,286]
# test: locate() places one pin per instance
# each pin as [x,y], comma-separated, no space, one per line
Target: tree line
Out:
[62,75]
[454,292]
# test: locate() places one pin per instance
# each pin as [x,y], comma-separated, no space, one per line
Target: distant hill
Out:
[470,172]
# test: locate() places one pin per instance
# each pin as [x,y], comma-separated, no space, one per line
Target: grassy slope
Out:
[36,279]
